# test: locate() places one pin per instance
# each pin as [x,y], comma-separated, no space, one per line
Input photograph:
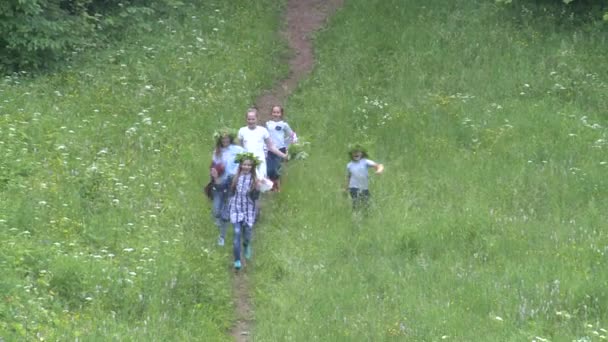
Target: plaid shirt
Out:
[241,206]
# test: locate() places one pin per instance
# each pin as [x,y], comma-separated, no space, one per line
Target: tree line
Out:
[36,34]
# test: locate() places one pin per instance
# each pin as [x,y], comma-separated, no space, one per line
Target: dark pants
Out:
[273,164]
[360,198]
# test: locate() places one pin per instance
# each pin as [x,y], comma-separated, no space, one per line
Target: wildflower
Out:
[128,249]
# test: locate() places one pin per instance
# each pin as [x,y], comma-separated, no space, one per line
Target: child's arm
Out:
[288,134]
[273,149]
[347,181]
[378,167]
[239,139]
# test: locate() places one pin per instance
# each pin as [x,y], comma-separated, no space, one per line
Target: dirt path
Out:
[302,17]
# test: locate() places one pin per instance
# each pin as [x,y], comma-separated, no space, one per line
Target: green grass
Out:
[105,232]
[489,222]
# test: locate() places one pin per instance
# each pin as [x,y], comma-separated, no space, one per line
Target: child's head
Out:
[357,152]
[247,163]
[277,112]
[252,117]
[223,137]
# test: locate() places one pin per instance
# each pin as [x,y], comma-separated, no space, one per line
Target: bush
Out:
[35,34]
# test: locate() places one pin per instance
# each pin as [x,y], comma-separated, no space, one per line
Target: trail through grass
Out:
[105,232]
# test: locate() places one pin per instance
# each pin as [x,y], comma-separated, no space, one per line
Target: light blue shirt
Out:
[357,171]
[227,158]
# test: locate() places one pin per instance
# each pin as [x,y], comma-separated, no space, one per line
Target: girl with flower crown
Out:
[223,169]
[241,207]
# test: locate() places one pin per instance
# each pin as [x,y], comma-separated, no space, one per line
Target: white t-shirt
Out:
[254,141]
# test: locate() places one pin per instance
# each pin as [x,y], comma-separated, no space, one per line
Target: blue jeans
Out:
[273,164]
[220,206]
[236,246]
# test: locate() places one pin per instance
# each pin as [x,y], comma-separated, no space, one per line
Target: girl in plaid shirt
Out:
[244,192]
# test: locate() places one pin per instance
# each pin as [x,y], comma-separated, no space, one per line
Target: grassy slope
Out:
[105,232]
[489,222]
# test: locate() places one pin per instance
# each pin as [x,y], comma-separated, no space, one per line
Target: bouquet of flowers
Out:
[298,149]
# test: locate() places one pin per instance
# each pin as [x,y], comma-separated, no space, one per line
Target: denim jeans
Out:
[238,228]
[273,164]
[220,206]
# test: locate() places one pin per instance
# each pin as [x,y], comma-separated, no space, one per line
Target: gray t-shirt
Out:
[357,171]
[280,133]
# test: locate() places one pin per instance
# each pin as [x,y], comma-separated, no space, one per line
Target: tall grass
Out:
[489,222]
[105,232]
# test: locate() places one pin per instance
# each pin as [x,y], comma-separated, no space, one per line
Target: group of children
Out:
[245,163]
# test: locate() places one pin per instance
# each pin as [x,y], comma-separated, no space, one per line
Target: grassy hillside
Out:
[104,230]
[490,220]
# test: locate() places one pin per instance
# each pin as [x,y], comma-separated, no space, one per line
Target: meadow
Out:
[490,220]
[105,232]
[488,224]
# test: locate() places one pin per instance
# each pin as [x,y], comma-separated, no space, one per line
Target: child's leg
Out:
[236,245]
[364,196]
[247,234]
[354,195]
[223,228]
[217,205]
[247,240]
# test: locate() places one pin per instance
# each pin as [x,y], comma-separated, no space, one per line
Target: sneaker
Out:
[248,252]
[237,265]
[220,241]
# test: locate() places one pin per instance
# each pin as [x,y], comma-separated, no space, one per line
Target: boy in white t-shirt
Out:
[253,138]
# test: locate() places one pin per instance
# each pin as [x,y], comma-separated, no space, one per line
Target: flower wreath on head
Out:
[255,161]
[352,148]
[222,132]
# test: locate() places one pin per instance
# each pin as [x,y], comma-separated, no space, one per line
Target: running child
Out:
[254,138]
[244,192]
[357,182]
[223,169]
[281,134]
